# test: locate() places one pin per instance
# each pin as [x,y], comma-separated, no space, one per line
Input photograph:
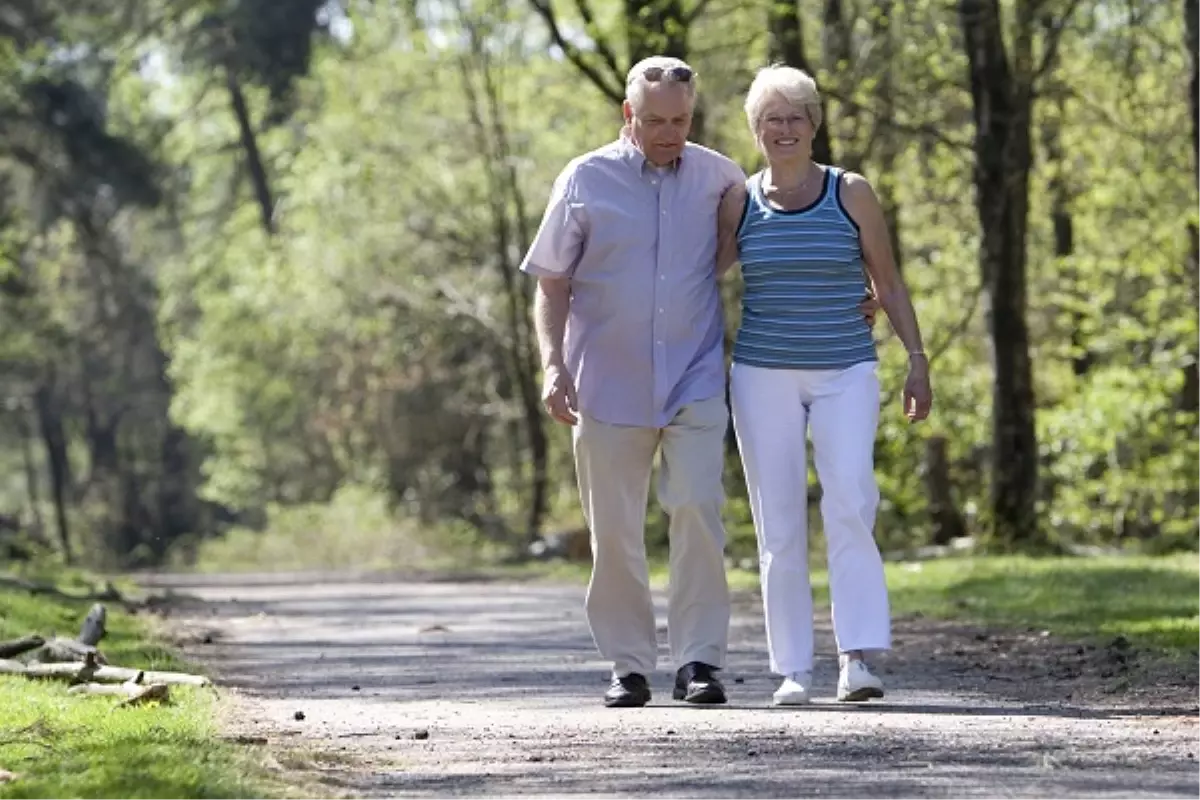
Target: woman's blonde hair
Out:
[795,86]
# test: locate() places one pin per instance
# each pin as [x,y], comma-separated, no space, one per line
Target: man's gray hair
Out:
[636,80]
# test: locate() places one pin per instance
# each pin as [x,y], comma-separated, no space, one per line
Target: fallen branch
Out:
[16,647]
[60,650]
[134,691]
[147,693]
[89,672]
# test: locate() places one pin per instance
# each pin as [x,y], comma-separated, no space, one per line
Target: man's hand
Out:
[918,396]
[869,306]
[558,395]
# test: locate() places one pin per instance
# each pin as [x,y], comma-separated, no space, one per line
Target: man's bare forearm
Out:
[550,303]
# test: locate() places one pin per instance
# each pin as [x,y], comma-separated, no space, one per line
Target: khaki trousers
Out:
[614,464]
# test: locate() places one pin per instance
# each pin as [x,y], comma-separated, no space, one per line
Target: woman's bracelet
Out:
[916,353]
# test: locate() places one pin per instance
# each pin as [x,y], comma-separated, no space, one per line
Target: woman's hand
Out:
[918,395]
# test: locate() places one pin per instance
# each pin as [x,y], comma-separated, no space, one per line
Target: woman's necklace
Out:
[777,189]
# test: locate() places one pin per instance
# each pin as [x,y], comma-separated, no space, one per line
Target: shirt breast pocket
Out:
[622,234]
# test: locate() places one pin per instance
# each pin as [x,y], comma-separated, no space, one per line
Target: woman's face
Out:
[785,132]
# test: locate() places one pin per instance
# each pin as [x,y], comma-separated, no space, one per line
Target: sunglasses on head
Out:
[677,74]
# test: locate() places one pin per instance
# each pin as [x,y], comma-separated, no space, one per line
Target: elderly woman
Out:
[804,362]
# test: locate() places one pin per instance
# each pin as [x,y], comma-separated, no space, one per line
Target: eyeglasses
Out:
[677,74]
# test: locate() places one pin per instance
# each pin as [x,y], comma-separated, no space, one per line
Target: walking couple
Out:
[627,258]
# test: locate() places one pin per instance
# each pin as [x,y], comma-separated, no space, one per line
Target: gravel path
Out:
[428,688]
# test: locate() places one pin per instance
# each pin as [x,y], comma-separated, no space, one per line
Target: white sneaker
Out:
[856,683]
[794,690]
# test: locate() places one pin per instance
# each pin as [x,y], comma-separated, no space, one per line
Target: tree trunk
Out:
[525,355]
[1189,398]
[254,162]
[1002,106]
[55,440]
[947,522]
[31,477]
[1061,219]
[839,55]
[889,141]
[506,201]
[786,44]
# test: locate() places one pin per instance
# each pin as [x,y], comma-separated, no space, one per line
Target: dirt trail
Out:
[436,688]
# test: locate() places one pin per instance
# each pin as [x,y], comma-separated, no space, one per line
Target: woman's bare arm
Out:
[729,217]
[863,206]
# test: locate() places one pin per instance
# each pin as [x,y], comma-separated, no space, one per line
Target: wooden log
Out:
[145,694]
[134,693]
[99,674]
[16,647]
[93,629]
[127,689]
[948,523]
[59,650]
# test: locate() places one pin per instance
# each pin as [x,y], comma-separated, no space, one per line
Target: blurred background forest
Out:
[259,303]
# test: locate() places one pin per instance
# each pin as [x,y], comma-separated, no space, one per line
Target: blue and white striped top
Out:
[804,279]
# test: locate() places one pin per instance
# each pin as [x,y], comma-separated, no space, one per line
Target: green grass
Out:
[1153,601]
[63,745]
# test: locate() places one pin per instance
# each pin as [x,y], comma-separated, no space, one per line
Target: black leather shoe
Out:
[630,691]
[696,683]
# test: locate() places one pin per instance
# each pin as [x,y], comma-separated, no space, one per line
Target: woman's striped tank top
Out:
[804,279]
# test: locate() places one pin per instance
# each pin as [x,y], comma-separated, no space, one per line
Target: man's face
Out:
[661,121]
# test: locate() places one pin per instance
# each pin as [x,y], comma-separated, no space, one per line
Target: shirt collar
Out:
[634,157]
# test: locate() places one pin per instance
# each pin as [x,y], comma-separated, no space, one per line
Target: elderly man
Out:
[630,329]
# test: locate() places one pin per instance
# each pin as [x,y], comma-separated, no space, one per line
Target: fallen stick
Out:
[134,693]
[15,647]
[89,673]
[60,650]
[151,691]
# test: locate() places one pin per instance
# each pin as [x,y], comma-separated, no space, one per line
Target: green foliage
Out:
[370,348]
[354,530]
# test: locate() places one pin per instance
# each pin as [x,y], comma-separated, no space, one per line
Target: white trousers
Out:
[773,411]
[614,464]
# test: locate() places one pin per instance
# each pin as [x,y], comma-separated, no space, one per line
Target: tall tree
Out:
[1190,396]
[1003,91]
[264,43]
[482,81]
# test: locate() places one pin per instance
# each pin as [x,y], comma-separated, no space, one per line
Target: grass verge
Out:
[62,745]
[1153,601]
